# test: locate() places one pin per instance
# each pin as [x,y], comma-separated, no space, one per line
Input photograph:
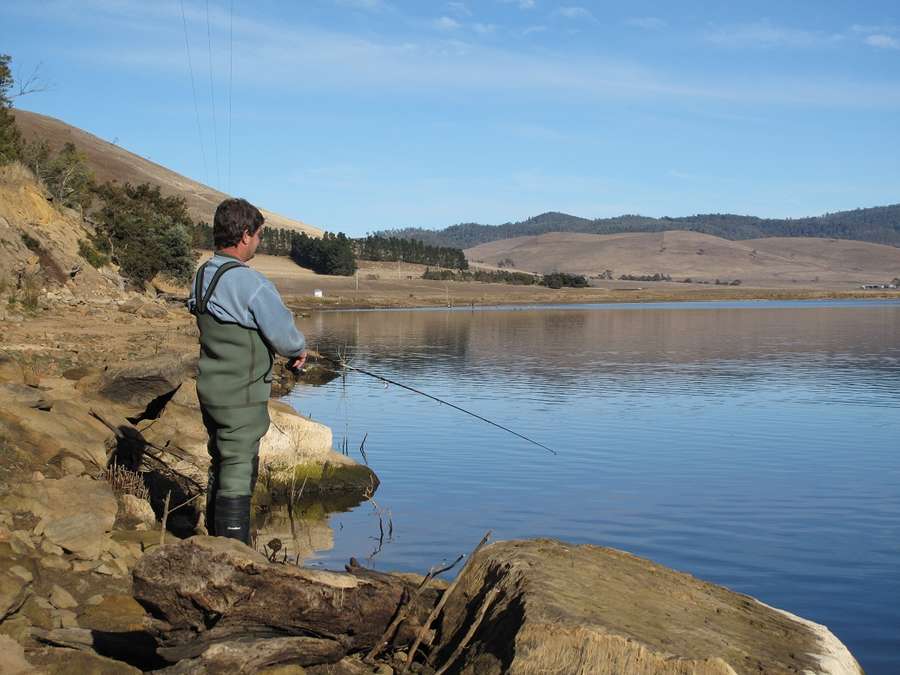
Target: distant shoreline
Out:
[492,296]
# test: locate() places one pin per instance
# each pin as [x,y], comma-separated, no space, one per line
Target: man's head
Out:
[236,227]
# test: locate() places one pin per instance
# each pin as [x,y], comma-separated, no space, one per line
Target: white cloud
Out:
[446,23]
[882,41]
[878,28]
[647,22]
[459,8]
[574,13]
[369,5]
[272,54]
[767,34]
[533,29]
[521,4]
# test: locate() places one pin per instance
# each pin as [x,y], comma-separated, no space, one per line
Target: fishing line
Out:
[346,366]
[187,46]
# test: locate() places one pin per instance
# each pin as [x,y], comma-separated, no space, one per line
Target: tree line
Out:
[879,225]
[375,247]
[553,280]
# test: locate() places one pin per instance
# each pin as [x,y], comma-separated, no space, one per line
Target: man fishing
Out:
[243,322]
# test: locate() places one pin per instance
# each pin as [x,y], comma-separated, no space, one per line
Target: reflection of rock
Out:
[310,532]
[565,609]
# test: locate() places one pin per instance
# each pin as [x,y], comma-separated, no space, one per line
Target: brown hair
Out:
[233,216]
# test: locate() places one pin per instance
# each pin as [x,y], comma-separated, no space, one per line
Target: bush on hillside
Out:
[65,174]
[10,140]
[144,232]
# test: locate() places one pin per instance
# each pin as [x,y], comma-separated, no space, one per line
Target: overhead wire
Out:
[187,47]
[212,98]
[230,86]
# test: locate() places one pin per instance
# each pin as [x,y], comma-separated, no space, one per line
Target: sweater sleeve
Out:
[276,322]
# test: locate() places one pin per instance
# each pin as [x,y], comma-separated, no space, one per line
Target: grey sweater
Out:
[247,298]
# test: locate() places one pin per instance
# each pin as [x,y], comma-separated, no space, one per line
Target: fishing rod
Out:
[343,365]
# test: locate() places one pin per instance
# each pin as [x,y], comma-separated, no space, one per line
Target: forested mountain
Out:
[880,225]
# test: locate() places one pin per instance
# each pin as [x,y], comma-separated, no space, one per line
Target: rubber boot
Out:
[232,517]
[211,503]
[255,475]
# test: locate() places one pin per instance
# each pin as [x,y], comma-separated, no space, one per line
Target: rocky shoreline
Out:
[105,566]
[81,588]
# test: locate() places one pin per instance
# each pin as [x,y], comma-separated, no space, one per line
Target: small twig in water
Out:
[362,448]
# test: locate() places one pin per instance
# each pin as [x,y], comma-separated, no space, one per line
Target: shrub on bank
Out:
[144,232]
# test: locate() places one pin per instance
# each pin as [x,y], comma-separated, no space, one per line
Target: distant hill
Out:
[110,162]
[880,225]
[681,255]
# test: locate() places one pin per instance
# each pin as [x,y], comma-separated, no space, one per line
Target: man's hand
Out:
[296,364]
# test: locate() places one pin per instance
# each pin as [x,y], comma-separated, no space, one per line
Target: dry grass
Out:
[124,481]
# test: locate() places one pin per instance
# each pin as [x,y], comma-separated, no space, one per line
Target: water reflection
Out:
[751,444]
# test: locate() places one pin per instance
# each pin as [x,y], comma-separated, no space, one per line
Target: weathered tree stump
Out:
[208,590]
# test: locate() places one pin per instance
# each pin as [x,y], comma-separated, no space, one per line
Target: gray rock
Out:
[12,658]
[24,395]
[50,548]
[55,562]
[61,598]
[72,466]
[134,511]
[64,618]
[108,570]
[75,512]
[22,573]
[13,592]
[136,383]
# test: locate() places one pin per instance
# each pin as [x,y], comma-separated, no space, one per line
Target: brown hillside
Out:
[698,256]
[112,163]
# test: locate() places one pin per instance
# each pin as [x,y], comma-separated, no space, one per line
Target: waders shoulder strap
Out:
[202,302]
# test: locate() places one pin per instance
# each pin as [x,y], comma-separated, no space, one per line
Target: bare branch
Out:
[33,84]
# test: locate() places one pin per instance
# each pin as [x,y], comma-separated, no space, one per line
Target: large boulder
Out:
[296,452]
[75,512]
[553,607]
[68,427]
[137,383]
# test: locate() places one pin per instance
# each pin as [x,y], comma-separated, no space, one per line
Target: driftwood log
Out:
[210,591]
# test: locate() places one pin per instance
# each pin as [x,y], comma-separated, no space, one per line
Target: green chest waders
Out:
[233,387]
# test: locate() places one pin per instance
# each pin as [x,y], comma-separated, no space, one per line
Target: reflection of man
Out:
[242,322]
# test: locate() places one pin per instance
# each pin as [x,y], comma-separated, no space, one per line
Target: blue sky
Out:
[357,115]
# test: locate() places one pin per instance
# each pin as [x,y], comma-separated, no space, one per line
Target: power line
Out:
[187,46]
[212,97]
[230,87]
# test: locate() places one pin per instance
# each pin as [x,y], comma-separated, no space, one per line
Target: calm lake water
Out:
[751,444]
